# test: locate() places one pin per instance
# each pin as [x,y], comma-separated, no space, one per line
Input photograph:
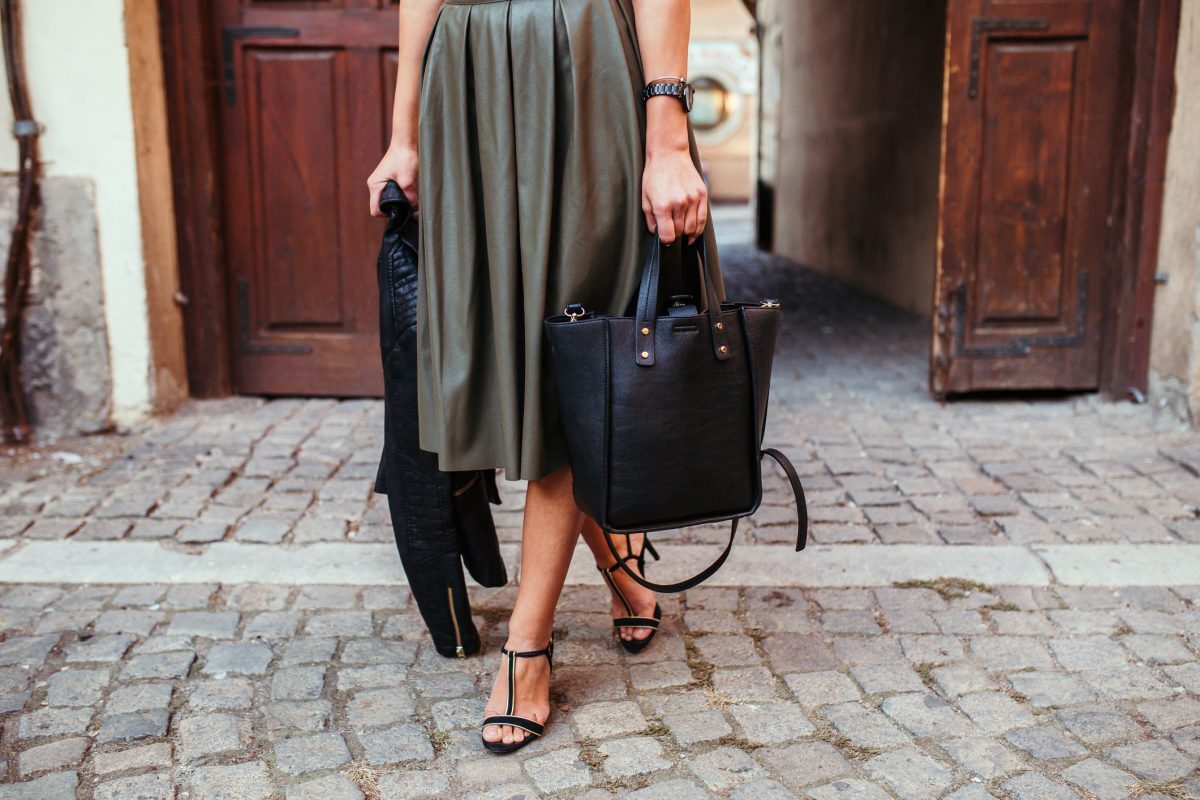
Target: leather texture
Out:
[441,520]
[664,414]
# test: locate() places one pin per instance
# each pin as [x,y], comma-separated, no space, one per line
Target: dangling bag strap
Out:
[798,491]
[710,570]
[682,586]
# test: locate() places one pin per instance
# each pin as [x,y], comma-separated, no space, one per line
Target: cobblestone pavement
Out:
[882,461]
[256,691]
[930,689]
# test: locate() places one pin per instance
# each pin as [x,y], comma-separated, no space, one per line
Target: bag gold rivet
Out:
[645,331]
[645,354]
[720,326]
[724,349]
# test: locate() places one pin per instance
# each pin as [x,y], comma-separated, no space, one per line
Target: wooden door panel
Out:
[1024,186]
[304,120]
[296,164]
[1025,246]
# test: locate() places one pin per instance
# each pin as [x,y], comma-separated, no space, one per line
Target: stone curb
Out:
[127,562]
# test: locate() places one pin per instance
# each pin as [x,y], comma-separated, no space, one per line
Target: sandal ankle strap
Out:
[547,651]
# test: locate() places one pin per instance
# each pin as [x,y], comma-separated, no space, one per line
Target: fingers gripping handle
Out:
[647,306]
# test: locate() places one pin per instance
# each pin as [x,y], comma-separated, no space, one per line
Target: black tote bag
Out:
[664,414]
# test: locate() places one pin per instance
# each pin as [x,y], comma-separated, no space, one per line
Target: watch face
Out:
[689,94]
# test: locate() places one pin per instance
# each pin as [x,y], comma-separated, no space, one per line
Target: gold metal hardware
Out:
[645,331]
[458,649]
[466,487]
[645,354]
[770,303]
[724,349]
[720,326]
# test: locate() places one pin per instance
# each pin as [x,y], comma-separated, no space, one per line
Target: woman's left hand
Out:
[674,197]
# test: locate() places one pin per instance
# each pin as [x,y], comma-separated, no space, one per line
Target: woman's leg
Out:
[640,598]
[548,536]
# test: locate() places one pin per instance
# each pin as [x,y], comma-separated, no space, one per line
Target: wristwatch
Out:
[672,87]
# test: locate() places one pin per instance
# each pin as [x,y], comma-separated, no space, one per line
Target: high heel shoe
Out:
[534,729]
[630,620]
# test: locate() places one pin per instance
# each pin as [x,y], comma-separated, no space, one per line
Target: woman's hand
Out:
[399,164]
[674,197]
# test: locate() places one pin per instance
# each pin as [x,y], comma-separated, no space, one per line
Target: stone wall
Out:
[66,362]
[77,61]
[1175,337]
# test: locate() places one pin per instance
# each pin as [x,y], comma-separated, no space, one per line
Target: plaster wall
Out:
[858,129]
[77,65]
[1175,336]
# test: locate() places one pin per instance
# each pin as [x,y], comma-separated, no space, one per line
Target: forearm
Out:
[663,29]
[416,22]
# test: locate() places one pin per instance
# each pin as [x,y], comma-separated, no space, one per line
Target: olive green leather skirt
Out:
[532,147]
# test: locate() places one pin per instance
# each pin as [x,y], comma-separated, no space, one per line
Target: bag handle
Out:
[647,306]
[801,535]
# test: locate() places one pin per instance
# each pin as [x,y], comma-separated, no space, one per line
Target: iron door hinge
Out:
[1019,346]
[229,35]
[980,28]
[246,344]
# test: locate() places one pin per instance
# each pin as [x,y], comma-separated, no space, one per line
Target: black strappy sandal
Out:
[534,729]
[629,620]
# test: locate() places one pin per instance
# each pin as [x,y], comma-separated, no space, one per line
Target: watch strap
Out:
[668,87]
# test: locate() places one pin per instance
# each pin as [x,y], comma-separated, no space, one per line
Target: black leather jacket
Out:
[441,520]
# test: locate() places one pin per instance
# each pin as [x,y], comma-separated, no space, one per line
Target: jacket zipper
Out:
[466,486]
[458,649]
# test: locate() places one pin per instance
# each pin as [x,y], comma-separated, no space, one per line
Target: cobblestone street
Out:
[1001,600]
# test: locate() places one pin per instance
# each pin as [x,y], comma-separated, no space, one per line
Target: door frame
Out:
[1125,348]
[1147,103]
[191,80]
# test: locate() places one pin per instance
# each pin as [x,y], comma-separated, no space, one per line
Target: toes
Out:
[518,735]
[508,734]
[491,733]
[641,633]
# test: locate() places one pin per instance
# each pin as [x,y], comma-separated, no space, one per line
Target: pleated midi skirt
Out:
[532,135]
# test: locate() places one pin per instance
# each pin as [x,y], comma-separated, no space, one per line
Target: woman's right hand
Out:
[399,164]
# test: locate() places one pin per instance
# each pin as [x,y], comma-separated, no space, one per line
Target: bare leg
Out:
[641,598]
[548,536]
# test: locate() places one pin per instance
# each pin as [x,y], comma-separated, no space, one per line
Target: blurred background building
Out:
[1026,175]
[723,66]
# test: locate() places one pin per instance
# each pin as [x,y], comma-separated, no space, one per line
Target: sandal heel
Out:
[531,727]
[630,620]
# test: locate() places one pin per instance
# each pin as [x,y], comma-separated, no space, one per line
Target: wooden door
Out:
[304,102]
[1033,130]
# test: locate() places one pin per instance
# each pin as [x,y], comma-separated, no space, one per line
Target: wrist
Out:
[403,140]
[666,127]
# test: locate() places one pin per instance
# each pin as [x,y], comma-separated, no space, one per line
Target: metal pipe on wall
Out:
[14,410]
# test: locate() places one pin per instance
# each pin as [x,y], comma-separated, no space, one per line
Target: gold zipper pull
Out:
[458,650]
